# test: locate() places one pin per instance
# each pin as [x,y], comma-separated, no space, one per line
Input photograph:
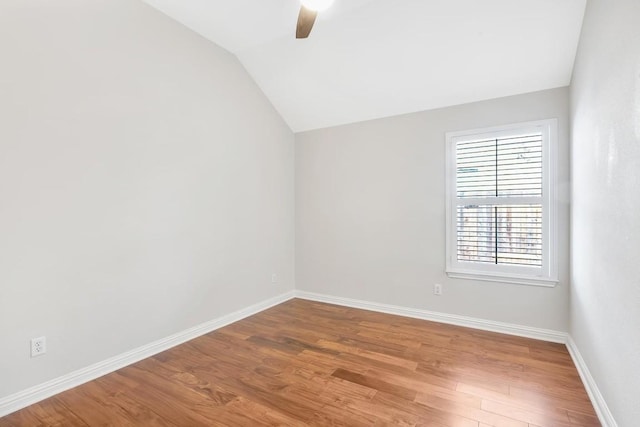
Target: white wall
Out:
[370,213]
[146,184]
[605,242]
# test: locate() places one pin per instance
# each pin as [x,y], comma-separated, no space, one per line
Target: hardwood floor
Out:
[307,363]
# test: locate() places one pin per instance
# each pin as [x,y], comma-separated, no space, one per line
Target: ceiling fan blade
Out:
[306,18]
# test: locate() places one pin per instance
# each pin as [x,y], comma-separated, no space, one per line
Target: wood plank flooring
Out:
[308,363]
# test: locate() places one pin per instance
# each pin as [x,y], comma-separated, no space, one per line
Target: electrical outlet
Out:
[437,289]
[274,278]
[38,346]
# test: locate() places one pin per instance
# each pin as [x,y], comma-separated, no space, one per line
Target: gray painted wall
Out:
[370,213]
[605,242]
[146,184]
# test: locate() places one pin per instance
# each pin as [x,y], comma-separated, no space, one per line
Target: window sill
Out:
[515,280]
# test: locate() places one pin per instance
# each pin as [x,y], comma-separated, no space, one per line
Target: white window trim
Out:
[548,274]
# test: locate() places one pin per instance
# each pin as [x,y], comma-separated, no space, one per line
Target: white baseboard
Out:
[452,319]
[42,391]
[599,404]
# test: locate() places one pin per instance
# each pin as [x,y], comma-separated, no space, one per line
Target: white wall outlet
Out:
[38,346]
[274,278]
[437,289]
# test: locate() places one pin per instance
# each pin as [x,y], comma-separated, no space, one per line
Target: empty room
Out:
[320,213]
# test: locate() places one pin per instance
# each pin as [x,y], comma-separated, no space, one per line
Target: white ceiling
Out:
[368,59]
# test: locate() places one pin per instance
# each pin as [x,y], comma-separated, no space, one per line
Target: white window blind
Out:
[499,207]
[499,231]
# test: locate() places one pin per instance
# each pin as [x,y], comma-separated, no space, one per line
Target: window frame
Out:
[547,275]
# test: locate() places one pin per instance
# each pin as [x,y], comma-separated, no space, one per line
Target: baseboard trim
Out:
[604,414]
[452,319]
[42,391]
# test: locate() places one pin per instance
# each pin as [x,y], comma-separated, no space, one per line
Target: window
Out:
[501,205]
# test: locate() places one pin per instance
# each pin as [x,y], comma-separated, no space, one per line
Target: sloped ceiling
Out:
[367,59]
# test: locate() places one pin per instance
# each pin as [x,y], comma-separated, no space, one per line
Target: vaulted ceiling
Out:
[368,59]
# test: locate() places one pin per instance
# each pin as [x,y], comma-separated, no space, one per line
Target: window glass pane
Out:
[519,165]
[500,167]
[500,234]
[519,235]
[476,233]
[476,168]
